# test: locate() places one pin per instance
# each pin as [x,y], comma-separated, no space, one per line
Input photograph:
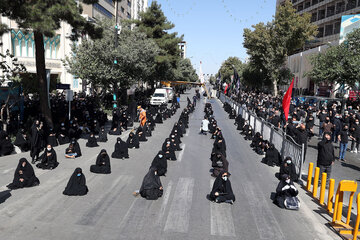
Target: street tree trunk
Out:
[41,75]
[274,82]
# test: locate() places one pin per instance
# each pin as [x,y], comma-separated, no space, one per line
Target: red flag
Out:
[287,99]
[226,88]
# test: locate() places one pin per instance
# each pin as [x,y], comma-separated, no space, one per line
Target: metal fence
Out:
[282,142]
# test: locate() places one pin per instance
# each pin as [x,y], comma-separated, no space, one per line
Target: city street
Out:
[110,211]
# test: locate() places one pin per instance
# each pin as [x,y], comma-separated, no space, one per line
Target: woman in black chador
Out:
[272,156]
[92,142]
[48,159]
[286,193]
[102,163]
[121,149]
[222,191]
[22,141]
[169,150]
[77,184]
[288,167]
[133,141]
[51,139]
[160,163]
[102,135]
[141,134]
[24,176]
[151,187]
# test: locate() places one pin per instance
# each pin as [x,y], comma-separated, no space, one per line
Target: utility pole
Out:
[116,45]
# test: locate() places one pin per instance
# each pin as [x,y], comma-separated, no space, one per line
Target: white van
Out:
[159,97]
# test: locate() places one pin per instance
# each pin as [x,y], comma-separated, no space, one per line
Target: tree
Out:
[339,64]
[268,45]
[44,18]
[227,68]
[93,60]
[185,71]
[154,23]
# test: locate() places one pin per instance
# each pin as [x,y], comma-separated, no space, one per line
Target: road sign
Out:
[69,94]
[62,86]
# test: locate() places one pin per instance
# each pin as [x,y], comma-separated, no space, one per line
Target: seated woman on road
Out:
[102,163]
[102,135]
[92,142]
[48,159]
[141,135]
[288,167]
[70,151]
[24,176]
[77,184]
[151,187]
[286,193]
[116,130]
[159,118]
[222,191]
[169,150]
[160,163]
[76,147]
[22,141]
[272,156]
[121,149]
[133,141]
[219,163]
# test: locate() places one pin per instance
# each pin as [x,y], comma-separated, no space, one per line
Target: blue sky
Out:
[213,29]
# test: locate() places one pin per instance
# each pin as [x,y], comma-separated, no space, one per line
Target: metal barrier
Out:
[283,143]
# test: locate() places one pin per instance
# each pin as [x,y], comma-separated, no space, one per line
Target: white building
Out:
[22,44]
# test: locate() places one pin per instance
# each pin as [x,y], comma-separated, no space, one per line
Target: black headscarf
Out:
[160,163]
[102,163]
[222,187]
[76,147]
[121,149]
[76,185]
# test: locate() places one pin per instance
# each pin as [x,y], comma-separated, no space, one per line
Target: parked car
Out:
[159,97]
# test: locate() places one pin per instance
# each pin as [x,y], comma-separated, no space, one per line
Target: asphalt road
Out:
[109,211]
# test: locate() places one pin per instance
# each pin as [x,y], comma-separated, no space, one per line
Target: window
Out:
[351,4]
[337,27]
[294,1]
[320,32]
[122,10]
[329,30]
[340,7]
[128,15]
[330,11]
[110,2]
[129,3]
[315,2]
[313,17]
[321,14]
[23,44]
[103,11]
[307,4]
[300,7]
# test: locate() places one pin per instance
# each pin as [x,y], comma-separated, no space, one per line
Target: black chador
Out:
[169,150]
[102,135]
[22,141]
[121,149]
[222,191]
[77,184]
[141,135]
[76,147]
[92,142]
[151,187]
[24,176]
[63,135]
[35,141]
[102,163]
[160,163]
[48,159]
[159,118]
[133,141]
[51,139]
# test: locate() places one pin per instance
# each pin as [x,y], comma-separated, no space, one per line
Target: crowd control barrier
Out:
[282,142]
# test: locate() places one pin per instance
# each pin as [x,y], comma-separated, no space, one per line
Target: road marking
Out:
[187,132]
[222,223]
[266,224]
[164,203]
[99,208]
[8,170]
[181,153]
[179,214]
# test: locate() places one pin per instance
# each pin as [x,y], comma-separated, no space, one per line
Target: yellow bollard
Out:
[316,181]
[357,223]
[309,179]
[322,190]
[331,195]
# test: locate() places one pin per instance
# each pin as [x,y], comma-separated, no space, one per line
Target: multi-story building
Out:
[326,14]
[182,47]
[22,44]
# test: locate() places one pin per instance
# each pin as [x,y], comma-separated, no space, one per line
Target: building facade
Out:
[182,47]
[22,45]
[326,14]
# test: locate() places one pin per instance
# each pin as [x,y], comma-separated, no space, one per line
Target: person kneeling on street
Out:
[286,193]
[222,191]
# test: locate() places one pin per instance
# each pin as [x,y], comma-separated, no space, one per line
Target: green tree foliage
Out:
[154,23]
[268,45]
[339,64]
[93,60]
[227,68]
[44,18]
[185,71]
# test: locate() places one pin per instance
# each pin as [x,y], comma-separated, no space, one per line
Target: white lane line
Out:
[164,203]
[222,223]
[179,214]
[181,153]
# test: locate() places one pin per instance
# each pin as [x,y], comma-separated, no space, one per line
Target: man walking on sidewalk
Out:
[326,156]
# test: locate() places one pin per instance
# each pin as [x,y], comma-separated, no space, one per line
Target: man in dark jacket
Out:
[326,155]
